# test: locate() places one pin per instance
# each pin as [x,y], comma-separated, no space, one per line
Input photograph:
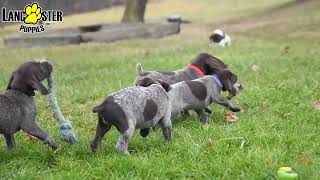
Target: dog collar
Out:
[215,77]
[196,69]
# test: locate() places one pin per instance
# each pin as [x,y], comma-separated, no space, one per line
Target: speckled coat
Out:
[133,108]
[197,95]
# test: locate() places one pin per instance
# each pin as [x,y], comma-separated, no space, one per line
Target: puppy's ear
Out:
[213,65]
[10,80]
[166,86]
[145,82]
[42,70]
[228,79]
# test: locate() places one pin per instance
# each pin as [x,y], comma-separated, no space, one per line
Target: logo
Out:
[33,17]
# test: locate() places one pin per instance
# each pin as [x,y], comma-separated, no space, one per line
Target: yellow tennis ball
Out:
[286,173]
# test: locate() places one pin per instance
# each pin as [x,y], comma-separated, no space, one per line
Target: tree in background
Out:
[134,11]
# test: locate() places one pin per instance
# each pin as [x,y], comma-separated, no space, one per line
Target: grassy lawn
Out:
[278,124]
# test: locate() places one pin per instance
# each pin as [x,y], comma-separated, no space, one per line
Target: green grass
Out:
[278,123]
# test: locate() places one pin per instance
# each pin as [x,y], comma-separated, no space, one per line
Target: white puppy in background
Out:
[220,38]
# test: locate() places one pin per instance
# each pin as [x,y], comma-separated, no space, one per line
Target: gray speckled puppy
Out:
[199,94]
[133,108]
[196,95]
[17,105]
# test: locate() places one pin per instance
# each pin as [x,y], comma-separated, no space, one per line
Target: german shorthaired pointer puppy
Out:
[17,105]
[195,95]
[133,108]
[202,64]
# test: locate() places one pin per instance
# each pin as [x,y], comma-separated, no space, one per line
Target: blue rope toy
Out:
[66,130]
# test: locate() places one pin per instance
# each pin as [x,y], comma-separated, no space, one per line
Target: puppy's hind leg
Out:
[202,115]
[11,143]
[37,132]
[122,144]
[102,129]
[166,126]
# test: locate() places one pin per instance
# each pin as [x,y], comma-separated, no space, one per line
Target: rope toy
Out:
[66,130]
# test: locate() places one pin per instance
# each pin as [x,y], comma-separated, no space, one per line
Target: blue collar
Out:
[215,77]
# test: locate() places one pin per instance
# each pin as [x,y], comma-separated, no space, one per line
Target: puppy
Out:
[220,38]
[133,108]
[197,95]
[17,105]
[202,64]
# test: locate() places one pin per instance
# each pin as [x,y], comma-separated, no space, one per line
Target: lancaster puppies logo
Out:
[33,14]
[33,17]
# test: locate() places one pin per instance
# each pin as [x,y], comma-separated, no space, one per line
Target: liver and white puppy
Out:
[133,108]
[197,95]
[17,105]
[202,64]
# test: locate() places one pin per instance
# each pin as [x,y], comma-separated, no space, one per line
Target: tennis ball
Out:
[286,173]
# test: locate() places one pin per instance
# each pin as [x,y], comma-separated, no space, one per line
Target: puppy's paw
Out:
[44,92]
[94,146]
[235,109]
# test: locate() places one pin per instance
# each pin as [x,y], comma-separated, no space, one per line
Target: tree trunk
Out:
[134,11]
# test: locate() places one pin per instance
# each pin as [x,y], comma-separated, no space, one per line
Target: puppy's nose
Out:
[240,87]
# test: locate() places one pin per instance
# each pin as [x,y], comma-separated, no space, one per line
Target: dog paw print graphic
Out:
[33,13]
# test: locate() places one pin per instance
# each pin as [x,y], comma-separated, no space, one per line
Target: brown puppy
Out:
[202,64]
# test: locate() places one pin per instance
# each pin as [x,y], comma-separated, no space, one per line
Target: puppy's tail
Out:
[99,109]
[139,69]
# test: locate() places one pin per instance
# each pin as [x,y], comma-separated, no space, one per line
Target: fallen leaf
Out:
[206,126]
[305,160]
[255,68]
[29,137]
[316,105]
[286,49]
[264,106]
[209,142]
[231,117]
[146,54]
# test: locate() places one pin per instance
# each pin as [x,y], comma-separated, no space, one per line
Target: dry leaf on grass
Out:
[264,106]
[305,160]
[29,137]
[146,54]
[286,49]
[206,126]
[316,105]
[209,142]
[254,68]
[231,117]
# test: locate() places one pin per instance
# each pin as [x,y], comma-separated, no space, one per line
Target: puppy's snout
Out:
[238,86]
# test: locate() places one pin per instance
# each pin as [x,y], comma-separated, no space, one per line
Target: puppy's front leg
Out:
[40,87]
[122,144]
[225,102]
[11,144]
[37,132]
[202,116]
[102,129]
